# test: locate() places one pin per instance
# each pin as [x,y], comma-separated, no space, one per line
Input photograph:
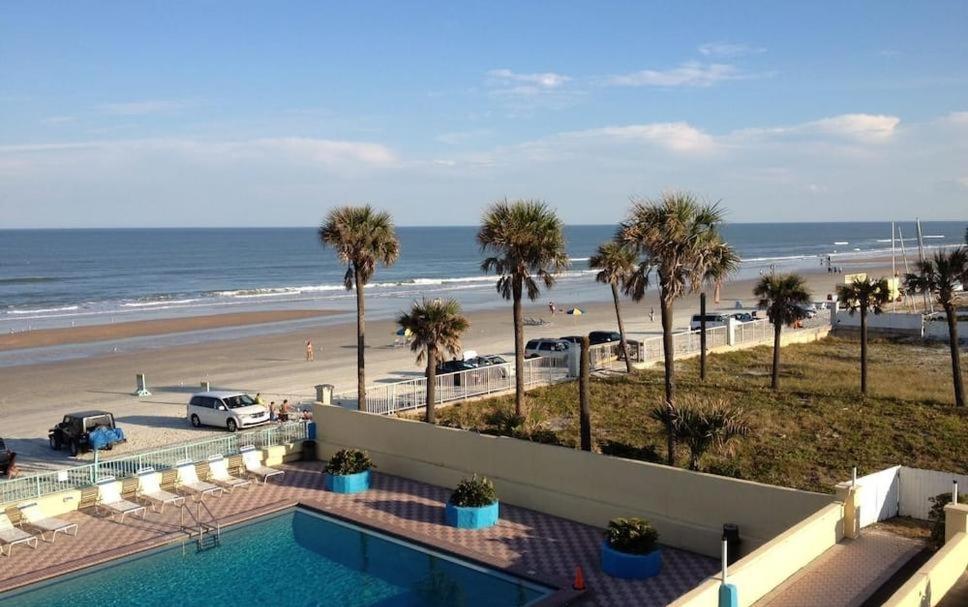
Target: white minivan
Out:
[230,410]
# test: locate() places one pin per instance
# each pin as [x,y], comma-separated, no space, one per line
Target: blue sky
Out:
[258,113]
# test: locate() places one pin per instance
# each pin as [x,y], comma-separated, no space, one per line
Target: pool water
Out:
[295,558]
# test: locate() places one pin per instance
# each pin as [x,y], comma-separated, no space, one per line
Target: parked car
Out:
[8,458]
[574,339]
[744,316]
[603,337]
[809,310]
[712,320]
[455,365]
[490,360]
[84,431]
[547,347]
[230,410]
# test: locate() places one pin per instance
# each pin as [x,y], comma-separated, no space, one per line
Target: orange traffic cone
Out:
[579,579]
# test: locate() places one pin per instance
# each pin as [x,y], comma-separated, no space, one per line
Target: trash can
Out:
[309,451]
[733,542]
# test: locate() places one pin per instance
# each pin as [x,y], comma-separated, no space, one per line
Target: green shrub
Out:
[474,492]
[936,515]
[631,535]
[349,461]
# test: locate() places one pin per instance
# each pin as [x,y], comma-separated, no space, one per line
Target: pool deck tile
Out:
[525,542]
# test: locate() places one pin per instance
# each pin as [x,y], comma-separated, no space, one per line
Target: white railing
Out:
[76,477]
[452,387]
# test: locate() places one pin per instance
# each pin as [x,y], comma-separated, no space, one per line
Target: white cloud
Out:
[729,49]
[58,119]
[689,74]
[862,128]
[957,118]
[545,80]
[674,136]
[142,108]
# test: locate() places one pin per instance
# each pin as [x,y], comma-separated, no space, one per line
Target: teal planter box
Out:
[472,518]
[630,566]
[347,483]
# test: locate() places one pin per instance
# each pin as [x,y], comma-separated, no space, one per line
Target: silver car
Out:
[230,410]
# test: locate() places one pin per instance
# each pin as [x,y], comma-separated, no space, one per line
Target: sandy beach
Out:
[34,397]
[141,328]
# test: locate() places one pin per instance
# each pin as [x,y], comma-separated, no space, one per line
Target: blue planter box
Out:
[347,483]
[472,518]
[630,566]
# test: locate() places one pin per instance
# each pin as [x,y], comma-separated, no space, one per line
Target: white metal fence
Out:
[903,491]
[451,387]
[37,485]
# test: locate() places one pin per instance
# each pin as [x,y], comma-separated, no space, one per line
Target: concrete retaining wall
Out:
[687,508]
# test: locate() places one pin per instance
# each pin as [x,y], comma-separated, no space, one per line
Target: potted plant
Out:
[348,471]
[630,550]
[473,504]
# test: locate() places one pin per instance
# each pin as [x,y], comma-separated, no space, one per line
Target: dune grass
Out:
[808,435]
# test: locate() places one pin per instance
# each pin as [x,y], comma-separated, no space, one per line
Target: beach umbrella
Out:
[576,311]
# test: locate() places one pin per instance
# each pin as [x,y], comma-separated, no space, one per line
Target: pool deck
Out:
[527,543]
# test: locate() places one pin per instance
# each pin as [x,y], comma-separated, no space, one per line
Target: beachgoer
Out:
[309,350]
[258,398]
[652,314]
[284,411]
[551,306]
[272,411]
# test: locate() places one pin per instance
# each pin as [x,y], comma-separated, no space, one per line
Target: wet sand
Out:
[140,328]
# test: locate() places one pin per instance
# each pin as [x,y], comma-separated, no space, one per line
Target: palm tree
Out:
[866,295]
[938,276]
[361,237]
[702,426]
[525,244]
[616,264]
[783,296]
[679,239]
[436,327]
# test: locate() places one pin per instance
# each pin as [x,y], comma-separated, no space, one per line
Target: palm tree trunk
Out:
[668,350]
[622,344]
[360,341]
[863,350]
[584,409]
[431,386]
[952,316]
[775,375]
[518,349]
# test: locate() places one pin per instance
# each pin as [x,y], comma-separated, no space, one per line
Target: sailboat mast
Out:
[893,269]
[907,269]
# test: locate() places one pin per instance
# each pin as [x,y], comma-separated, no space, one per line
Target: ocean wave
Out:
[28,280]
[158,302]
[43,310]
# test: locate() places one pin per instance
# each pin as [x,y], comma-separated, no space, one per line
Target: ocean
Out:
[52,278]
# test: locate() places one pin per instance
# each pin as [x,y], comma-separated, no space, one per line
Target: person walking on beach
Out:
[551,306]
[272,411]
[652,314]
[309,350]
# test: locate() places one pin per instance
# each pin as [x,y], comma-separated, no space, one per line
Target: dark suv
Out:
[603,337]
[7,459]
[76,431]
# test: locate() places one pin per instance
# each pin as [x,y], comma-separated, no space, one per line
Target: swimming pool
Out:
[294,558]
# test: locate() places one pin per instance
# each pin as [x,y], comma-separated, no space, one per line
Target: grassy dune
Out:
[806,436]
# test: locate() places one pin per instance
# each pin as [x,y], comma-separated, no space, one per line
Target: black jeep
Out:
[76,429]
[8,458]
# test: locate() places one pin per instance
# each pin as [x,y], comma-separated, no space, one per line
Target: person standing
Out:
[551,307]
[652,314]
[310,355]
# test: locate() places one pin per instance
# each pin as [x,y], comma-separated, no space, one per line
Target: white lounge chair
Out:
[188,481]
[109,497]
[218,473]
[10,536]
[252,461]
[150,491]
[35,518]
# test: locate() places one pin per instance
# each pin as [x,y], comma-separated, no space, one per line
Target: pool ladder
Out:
[206,533]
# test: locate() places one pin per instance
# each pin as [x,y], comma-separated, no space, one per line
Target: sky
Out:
[207,113]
